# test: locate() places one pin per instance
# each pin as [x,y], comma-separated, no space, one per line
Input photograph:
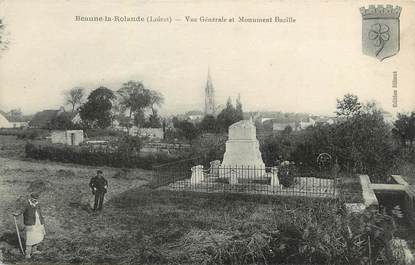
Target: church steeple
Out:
[209,96]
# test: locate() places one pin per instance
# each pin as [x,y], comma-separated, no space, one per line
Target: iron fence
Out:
[195,174]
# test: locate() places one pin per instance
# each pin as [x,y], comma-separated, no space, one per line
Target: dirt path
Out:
[65,195]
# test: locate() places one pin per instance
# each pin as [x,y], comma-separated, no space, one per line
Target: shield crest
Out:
[380,31]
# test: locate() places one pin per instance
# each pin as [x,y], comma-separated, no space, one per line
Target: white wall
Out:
[65,137]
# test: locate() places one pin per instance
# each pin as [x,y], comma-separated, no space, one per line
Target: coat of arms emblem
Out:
[380,30]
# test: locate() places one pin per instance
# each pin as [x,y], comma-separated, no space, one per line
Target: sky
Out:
[290,67]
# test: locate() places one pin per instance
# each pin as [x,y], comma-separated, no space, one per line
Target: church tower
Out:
[209,97]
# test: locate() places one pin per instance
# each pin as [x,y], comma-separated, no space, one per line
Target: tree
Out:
[239,111]
[135,99]
[187,129]
[287,130]
[3,41]
[62,121]
[154,120]
[208,124]
[348,106]
[362,142]
[74,97]
[15,115]
[228,116]
[156,100]
[405,128]
[96,112]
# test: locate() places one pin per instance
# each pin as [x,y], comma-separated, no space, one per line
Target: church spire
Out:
[209,96]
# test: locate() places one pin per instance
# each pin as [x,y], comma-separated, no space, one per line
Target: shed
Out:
[70,137]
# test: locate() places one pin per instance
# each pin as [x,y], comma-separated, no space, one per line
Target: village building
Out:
[153,134]
[280,126]
[68,137]
[4,123]
[43,119]
[305,124]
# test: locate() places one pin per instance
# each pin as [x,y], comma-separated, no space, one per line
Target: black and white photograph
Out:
[185,132]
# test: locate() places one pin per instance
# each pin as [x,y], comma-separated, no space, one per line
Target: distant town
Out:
[69,115]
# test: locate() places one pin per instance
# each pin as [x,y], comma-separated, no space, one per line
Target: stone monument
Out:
[242,158]
[214,168]
[197,175]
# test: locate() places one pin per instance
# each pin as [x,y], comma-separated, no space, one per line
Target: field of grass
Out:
[142,226]
[65,200]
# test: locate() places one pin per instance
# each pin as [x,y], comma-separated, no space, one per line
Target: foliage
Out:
[74,97]
[154,121]
[331,238]
[272,231]
[405,128]
[286,174]
[3,40]
[21,133]
[210,146]
[135,98]
[361,143]
[348,106]
[287,130]
[96,157]
[96,112]
[315,140]
[129,145]
[277,147]
[62,122]
[208,124]
[186,129]
[101,133]
[228,116]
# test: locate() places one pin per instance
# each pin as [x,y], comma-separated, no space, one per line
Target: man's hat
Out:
[35,195]
[99,171]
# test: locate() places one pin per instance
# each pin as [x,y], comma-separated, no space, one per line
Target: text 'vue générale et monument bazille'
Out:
[187,19]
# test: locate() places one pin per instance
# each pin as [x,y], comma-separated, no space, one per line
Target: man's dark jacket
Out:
[99,184]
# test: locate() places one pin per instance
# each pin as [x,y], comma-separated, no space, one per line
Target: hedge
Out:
[21,133]
[84,156]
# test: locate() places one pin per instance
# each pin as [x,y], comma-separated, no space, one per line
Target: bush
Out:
[323,234]
[30,134]
[286,174]
[102,133]
[86,156]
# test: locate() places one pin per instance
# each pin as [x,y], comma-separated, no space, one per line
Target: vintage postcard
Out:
[207,132]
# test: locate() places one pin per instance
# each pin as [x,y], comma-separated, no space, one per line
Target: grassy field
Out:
[66,200]
[138,225]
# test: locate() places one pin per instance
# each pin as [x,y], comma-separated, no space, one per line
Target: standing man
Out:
[98,185]
[34,224]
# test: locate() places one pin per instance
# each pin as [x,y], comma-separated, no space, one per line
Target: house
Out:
[13,120]
[18,122]
[68,137]
[193,116]
[151,133]
[4,123]
[43,119]
[280,126]
[324,120]
[76,118]
[305,124]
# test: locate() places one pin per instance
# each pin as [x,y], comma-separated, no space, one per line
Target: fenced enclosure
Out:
[198,175]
